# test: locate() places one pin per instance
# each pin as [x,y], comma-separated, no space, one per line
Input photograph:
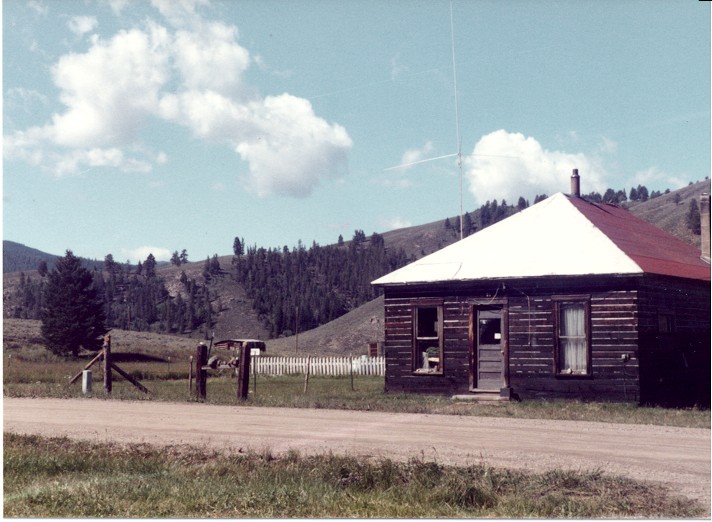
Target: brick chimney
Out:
[705,226]
[575,184]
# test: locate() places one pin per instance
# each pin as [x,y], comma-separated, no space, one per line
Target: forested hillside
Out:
[299,289]
[291,290]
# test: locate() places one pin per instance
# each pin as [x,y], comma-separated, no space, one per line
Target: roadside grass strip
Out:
[57,477]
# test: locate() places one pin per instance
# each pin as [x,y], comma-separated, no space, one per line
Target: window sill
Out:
[573,375]
[420,371]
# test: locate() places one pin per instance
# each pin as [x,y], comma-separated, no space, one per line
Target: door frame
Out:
[488,304]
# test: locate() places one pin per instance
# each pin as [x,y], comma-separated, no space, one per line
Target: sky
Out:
[133,126]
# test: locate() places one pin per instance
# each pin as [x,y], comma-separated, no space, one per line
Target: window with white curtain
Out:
[572,338]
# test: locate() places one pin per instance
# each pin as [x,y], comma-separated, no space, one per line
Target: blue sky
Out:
[132,127]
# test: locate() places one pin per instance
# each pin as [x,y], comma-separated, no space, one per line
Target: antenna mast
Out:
[457,114]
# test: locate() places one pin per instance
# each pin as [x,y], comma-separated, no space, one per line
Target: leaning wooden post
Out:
[201,375]
[243,373]
[107,364]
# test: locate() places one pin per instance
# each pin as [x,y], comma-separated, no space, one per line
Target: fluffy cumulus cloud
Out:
[509,165]
[188,72]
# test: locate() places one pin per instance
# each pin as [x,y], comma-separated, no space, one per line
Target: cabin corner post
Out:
[506,390]
[471,348]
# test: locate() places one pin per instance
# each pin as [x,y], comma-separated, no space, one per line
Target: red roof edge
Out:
[653,249]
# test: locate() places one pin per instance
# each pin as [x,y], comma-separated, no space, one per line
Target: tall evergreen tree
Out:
[73,314]
[237,247]
[150,266]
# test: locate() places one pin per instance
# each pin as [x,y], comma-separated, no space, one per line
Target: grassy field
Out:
[169,382]
[60,478]
[161,363]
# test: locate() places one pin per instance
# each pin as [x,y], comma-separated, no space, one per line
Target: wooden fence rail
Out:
[329,366]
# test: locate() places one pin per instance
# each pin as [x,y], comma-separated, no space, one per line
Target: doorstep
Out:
[482,396]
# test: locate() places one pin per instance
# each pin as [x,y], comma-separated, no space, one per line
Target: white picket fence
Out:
[330,366]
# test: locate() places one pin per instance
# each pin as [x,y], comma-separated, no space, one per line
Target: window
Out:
[572,337]
[427,340]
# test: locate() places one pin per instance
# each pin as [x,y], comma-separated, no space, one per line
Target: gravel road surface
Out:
[678,457]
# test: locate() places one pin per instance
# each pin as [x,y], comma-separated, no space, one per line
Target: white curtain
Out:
[572,336]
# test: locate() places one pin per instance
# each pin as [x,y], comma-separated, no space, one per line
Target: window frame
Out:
[558,301]
[416,355]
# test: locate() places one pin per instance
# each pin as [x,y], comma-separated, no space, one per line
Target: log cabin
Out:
[565,299]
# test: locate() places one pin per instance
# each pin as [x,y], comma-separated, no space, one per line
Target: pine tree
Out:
[693,217]
[237,247]
[73,314]
[42,268]
[150,266]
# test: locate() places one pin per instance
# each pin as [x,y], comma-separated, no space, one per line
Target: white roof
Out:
[550,238]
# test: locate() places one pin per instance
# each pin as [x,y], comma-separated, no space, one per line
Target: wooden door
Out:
[488,361]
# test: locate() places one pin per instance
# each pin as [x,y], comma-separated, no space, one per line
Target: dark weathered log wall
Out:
[675,366]
[622,310]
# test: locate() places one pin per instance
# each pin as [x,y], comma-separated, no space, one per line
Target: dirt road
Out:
[679,457]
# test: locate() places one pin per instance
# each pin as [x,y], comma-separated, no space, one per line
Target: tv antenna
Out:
[458,139]
[457,112]
[458,154]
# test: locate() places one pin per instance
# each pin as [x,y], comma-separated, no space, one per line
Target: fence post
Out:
[243,373]
[201,376]
[107,364]
[86,382]
[190,376]
[306,374]
[351,370]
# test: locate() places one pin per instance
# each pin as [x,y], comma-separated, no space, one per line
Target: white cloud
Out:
[25,99]
[411,156]
[608,145]
[80,25]
[134,255]
[395,223]
[118,5]
[508,165]
[293,149]
[193,77]
[658,178]
[210,58]
[38,7]
[179,12]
